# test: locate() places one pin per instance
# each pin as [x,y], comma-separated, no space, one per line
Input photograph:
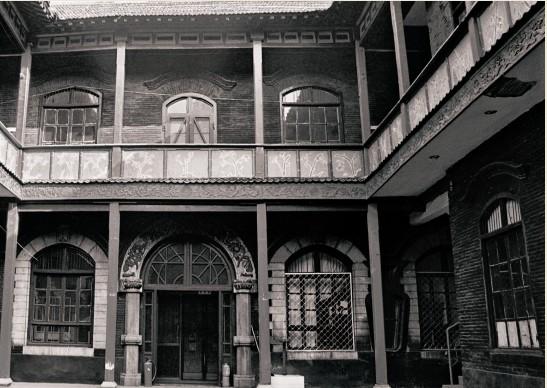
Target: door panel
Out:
[200,338]
[168,348]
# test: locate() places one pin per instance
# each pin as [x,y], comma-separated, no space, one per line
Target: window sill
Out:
[41,350]
[518,356]
[322,355]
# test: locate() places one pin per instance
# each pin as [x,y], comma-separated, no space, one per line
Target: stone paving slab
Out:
[59,385]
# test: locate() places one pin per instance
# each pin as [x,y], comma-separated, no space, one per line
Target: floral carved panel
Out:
[232,163]
[493,23]
[95,164]
[3,148]
[347,164]
[64,165]
[188,164]
[314,164]
[12,156]
[282,164]
[417,108]
[36,166]
[461,60]
[438,85]
[142,164]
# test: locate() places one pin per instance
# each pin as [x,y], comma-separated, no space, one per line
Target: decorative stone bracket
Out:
[130,285]
[245,286]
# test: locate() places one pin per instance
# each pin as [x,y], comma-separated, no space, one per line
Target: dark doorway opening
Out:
[187,337]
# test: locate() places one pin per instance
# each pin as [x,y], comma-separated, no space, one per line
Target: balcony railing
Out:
[85,163]
[483,27]
[477,35]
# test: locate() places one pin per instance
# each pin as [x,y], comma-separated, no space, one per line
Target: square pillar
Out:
[263,297]
[22,96]
[257,39]
[112,294]
[121,42]
[12,230]
[380,363]
[400,46]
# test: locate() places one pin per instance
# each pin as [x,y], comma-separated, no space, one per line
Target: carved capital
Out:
[131,339]
[245,286]
[130,285]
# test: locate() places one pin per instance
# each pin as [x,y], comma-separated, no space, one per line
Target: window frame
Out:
[189,134]
[70,107]
[506,228]
[316,252]
[340,114]
[63,274]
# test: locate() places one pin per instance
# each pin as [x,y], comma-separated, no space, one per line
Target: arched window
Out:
[70,116]
[436,296]
[191,264]
[311,115]
[190,119]
[61,308]
[319,302]
[513,316]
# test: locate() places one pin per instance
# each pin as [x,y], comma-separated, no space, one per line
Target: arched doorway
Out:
[187,310]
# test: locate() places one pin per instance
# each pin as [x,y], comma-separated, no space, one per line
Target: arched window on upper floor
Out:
[512,311]
[189,118]
[311,115]
[71,116]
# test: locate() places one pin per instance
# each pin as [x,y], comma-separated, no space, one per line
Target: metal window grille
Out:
[319,309]
[436,301]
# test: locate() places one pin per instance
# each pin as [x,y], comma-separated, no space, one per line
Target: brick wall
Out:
[51,72]
[521,143]
[332,68]
[226,76]
[9,86]
[222,75]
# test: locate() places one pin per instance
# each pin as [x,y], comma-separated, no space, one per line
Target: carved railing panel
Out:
[312,163]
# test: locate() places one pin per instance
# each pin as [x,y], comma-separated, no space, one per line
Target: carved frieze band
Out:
[193,39]
[513,51]
[151,191]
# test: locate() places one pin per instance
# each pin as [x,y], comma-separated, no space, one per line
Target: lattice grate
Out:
[436,299]
[319,311]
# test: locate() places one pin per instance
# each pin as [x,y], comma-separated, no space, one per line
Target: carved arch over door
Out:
[232,245]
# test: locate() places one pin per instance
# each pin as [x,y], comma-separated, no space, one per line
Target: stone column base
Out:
[244,381]
[132,379]
[109,384]
[381,386]
[5,382]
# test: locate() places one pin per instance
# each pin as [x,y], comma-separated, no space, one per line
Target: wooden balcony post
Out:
[112,294]
[400,46]
[120,87]
[362,86]
[22,96]
[265,370]
[12,230]
[257,39]
[380,362]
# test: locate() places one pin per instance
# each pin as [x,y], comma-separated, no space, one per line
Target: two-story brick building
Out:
[352,192]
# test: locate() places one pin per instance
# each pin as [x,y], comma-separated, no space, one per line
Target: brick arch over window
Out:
[360,283]
[232,245]
[22,285]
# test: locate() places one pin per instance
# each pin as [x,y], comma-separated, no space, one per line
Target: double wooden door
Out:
[187,346]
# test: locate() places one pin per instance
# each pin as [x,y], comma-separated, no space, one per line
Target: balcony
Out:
[483,27]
